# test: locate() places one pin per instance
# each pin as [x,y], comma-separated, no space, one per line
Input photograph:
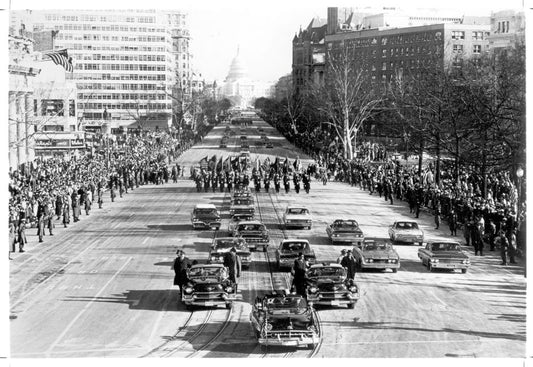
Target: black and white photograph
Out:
[229,180]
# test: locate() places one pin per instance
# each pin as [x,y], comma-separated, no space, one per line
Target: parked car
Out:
[377,253]
[345,231]
[328,285]
[444,255]
[297,216]
[222,245]
[407,232]
[288,251]
[254,233]
[208,285]
[284,320]
[205,216]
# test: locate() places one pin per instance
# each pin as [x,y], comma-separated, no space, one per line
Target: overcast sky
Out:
[262,29]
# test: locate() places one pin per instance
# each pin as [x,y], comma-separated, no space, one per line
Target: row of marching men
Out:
[224,180]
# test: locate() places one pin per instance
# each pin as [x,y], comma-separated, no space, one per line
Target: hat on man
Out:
[343,251]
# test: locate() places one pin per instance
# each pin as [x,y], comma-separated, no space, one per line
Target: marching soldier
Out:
[276,183]
[266,181]
[286,183]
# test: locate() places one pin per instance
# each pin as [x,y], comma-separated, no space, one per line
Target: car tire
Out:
[189,307]
[277,265]
[394,270]
[464,271]
[264,249]
[420,243]
[310,346]
[228,306]
[351,305]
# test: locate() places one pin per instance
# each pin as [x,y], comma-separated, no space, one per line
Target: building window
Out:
[477,35]
[52,107]
[383,53]
[458,35]
[71,108]
[457,48]
[384,66]
[477,49]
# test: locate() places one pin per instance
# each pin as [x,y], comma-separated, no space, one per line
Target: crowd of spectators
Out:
[484,209]
[61,188]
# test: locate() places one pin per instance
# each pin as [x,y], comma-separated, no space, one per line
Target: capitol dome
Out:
[237,69]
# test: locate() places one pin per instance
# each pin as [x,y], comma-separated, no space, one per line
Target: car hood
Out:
[346,230]
[448,254]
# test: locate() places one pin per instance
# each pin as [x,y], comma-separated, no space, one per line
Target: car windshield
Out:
[297,211]
[200,211]
[406,225]
[208,272]
[251,227]
[326,272]
[349,224]
[444,247]
[229,243]
[294,246]
[286,302]
[373,246]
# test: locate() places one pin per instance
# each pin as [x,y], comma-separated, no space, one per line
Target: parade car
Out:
[444,255]
[345,231]
[254,233]
[288,251]
[208,285]
[328,285]
[223,245]
[406,231]
[297,216]
[242,207]
[377,253]
[205,216]
[269,144]
[285,320]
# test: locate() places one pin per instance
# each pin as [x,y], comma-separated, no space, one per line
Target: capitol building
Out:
[239,88]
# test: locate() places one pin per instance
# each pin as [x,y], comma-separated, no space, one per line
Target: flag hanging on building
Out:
[60,57]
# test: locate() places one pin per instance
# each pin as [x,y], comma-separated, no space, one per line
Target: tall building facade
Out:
[22,73]
[126,62]
[309,54]
[507,28]
[390,50]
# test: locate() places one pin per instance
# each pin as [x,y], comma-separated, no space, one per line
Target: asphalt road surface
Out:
[103,287]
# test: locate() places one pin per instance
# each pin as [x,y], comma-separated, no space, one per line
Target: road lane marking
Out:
[65,331]
[160,316]
[412,342]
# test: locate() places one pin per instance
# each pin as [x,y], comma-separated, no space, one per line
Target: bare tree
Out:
[348,99]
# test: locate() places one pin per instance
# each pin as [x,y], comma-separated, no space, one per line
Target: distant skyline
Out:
[263,31]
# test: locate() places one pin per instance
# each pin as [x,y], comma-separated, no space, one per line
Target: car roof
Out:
[250,222]
[205,206]
[294,240]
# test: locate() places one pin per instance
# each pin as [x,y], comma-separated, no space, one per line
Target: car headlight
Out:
[434,260]
[229,289]
[370,260]
[353,289]
[309,221]
[313,289]
[268,326]
[188,290]
[335,235]
[466,261]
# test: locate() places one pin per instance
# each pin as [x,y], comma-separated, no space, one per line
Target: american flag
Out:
[60,57]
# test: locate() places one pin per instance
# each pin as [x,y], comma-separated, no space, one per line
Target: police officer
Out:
[276,182]
[233,262]
[299,273]
[286,183]
[350,264]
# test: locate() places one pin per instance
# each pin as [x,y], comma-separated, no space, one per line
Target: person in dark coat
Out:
[233,262]
[180,266]
[350,264]
[452,222]
[299,270]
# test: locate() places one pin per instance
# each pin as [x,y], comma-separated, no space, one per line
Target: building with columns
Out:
[239,88]
[22,72]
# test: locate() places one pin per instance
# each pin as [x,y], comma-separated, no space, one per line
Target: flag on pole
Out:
[219,165]
[212,163]
[227,164]
[60,57]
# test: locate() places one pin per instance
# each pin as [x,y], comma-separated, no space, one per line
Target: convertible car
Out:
[406,231]
[297,216]
[254,233]
[288,251]
[223,245]
[208,285]
[328,285]
[377,253]
[284,320]
[242,207]
[345,231]
[444,255]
